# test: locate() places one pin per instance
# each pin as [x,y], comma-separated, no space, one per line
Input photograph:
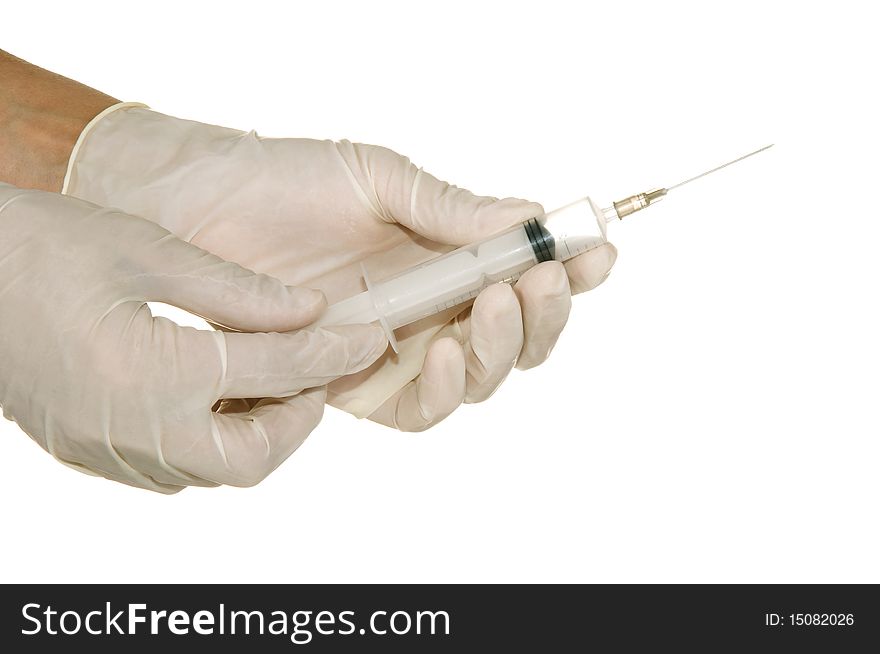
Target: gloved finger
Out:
[545,298]
[137,480]
[148,483]
[226,293]
[280,365]
[492,333]
[434,394]
[588,270]
[399,191]
[242,449]
[161,478]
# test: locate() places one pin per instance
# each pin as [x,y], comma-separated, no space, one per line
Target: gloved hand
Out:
[105,387]
[309,212]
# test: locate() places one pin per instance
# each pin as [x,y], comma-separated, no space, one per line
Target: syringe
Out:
[458,276]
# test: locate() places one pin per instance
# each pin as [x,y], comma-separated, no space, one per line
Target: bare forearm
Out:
[41,117]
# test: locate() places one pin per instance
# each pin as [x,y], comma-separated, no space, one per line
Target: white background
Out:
[711,412]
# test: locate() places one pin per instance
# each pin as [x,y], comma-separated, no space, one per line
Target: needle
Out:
[639,201]
[725,165]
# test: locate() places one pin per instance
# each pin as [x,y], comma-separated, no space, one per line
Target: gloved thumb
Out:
[430,207]
[225,293]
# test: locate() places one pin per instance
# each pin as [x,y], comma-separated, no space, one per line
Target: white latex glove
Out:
[309,212]
[106,388]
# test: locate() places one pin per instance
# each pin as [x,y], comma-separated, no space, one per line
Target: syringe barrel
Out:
[459,276]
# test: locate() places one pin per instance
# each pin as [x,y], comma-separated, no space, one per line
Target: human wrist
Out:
[41,116]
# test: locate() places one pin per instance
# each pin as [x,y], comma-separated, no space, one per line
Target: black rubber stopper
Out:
[541,240]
